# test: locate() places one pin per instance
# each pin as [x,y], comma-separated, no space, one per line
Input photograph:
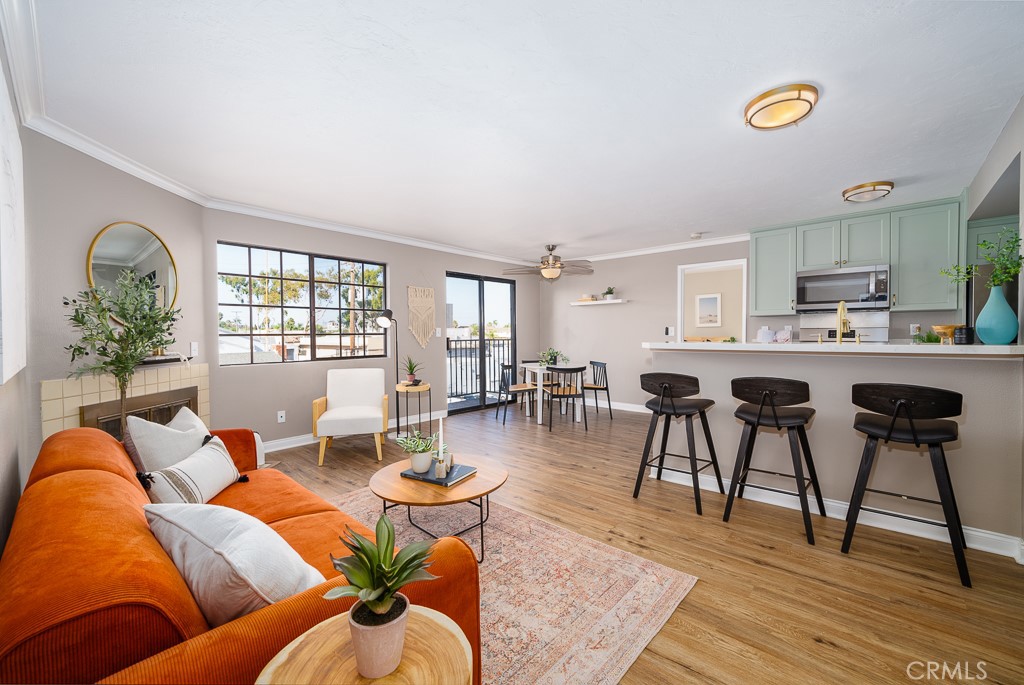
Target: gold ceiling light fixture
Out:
[781,106]
[866,192]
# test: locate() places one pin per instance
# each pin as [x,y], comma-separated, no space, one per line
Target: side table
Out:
[436,651]
[408,389]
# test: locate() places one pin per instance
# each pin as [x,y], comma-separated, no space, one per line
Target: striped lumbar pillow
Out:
[196,479]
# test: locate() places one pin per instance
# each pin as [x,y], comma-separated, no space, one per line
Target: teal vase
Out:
[996,324]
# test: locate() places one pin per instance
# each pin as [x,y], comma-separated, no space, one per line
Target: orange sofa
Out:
[87,593]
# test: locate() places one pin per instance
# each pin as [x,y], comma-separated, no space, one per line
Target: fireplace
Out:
[159,407]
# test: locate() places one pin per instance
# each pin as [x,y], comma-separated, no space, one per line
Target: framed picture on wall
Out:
[709,310]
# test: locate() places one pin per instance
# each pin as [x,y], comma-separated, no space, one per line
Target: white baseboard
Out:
[984,540]
[308,439]
[625,406]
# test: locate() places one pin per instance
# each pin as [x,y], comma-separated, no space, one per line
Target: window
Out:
[282,306]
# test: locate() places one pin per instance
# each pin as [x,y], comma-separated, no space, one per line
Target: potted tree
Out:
[996,324]
[378,620]
[119,329]
[411,367]
[420,450]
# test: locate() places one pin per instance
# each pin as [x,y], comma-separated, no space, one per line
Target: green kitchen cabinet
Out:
[773,272]
[860,241]
[924,240]
[986,229]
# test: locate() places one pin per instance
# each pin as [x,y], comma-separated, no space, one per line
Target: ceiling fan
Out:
[551,267]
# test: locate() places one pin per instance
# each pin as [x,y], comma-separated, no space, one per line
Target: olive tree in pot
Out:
[119,329]
[378,620]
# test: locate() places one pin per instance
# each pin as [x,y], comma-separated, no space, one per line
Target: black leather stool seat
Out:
[679,406]
[788,416]
[929,431]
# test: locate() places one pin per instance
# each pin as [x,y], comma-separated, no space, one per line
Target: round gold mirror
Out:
[128,245]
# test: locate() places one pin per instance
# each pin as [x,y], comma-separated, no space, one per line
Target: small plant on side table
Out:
[376,573]
[411,367]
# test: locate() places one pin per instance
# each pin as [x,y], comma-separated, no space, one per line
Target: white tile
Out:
[71,405]
[51,390]
[90,398]
[107,382]
[204,396]
[152,376]
[51,427]
[163,375]
[175,384]
[108,395]
[150,389]
[174,373]
[90,384]
[204,410]
[204,382]
[52,409]
[204,369]
[72,387]
[71,422]
[163,386]
[138,381]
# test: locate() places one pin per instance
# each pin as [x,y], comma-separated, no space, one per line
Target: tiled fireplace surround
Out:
[62,398]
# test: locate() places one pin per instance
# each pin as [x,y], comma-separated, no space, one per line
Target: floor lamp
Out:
[385,320]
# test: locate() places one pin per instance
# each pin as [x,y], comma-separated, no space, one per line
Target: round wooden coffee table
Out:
[389,485]
[436,651]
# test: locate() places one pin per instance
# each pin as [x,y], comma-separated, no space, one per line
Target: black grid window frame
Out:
[341,307]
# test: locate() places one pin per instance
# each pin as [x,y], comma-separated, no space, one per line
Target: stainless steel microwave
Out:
[861,287]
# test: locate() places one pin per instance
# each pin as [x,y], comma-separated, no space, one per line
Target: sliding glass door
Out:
[480,313]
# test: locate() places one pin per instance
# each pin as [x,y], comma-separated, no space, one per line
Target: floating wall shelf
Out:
[587,304]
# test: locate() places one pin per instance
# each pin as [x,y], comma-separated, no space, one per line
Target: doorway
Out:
[480,337]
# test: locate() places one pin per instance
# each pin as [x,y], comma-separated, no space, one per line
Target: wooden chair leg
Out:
[330,442]
[811,473]
[711,449]
[323,448]
[801,484]
[691,446]
[664,444]
[609,395]
[647,453]
[861,484]
[945,487]
[741,457]
[378,441]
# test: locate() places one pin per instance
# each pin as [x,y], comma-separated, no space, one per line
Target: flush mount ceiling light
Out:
[781,106]
[866,192]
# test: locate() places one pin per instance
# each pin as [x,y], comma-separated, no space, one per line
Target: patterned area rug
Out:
[556,607]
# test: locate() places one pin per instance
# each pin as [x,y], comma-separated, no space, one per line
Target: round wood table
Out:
[436,651]
[389,485]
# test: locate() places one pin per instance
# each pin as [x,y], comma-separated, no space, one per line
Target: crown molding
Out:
[18,23]
[691,245]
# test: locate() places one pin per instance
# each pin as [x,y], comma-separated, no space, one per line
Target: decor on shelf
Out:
[609,293]
[443,459]
[421,314]
[866,192]
[376,573]
[780,106]
[411,367]
[997,323]
[420,450]
[118,348]
[552,267]
[551,357]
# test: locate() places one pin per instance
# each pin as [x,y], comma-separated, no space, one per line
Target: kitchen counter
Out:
[849,348]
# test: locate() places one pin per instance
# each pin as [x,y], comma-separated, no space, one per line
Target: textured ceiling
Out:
[603,126]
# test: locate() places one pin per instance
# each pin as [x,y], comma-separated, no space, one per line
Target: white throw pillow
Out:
[233,563]
[196,479]
[153,446]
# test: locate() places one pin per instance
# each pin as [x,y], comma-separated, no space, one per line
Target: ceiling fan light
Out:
[781,106]
[551,272]
[866,192]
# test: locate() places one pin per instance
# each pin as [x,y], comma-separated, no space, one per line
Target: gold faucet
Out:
[842,323]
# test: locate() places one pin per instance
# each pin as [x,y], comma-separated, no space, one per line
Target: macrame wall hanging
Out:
[421,313]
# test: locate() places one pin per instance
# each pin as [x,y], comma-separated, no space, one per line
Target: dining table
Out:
[539,373]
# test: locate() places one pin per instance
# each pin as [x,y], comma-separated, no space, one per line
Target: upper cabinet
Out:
[773,272]
[986,229]
[863,241]
[924,240]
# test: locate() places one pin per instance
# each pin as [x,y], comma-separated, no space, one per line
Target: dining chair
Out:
[507,389]
[525,373]
[567,386]
[599,382]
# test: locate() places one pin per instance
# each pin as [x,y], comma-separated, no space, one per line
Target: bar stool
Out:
[923,412]
[777,395]
[675,399]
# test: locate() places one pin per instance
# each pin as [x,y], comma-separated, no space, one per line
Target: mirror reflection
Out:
[128,245]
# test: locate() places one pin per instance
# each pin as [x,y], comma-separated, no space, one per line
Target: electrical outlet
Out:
[193,349]
[280,416]
[439,334]
[670,330]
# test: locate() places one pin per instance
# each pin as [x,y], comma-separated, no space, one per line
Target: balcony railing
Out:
[464,365]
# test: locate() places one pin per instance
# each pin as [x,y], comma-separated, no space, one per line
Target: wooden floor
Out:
[768,606]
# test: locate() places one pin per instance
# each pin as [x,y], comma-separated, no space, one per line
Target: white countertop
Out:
[853,349]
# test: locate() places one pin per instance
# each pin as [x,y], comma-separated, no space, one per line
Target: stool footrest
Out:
[901,496]
[656,457]
[743,477]
[930,522]
[771,489]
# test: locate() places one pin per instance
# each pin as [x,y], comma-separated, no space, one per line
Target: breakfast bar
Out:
[985,463]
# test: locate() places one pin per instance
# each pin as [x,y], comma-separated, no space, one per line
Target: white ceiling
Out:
[603,126]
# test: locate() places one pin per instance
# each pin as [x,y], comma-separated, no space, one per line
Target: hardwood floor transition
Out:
[768,607]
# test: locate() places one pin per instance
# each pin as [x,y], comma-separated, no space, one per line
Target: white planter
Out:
[421,461]
[609,297]
[378,649]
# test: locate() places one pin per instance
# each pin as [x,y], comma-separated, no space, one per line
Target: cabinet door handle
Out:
[792,305]
[894,298]
[844,261]
[836,262]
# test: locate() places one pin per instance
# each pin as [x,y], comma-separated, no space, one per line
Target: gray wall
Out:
[14,414]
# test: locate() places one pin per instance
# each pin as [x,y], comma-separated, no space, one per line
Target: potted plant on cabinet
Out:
[411,367]
[609,293]
[997,323]
[420,450]
[378,620]
[119,329]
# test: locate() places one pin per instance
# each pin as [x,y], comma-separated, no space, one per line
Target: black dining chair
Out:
[912,415]
[599,383]
[507,390]
[566,387]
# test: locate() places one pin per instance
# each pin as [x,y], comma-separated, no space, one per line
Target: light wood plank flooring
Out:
[768,606]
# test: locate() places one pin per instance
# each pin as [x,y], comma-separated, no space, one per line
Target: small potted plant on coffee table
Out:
[420,448]
[411,367]
[378,620]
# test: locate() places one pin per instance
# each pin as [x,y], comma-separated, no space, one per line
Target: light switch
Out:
[439,333]
[193,349]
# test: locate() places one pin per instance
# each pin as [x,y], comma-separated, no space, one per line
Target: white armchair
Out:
[355,404]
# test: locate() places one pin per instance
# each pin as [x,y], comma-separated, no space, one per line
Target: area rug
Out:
[556,607]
